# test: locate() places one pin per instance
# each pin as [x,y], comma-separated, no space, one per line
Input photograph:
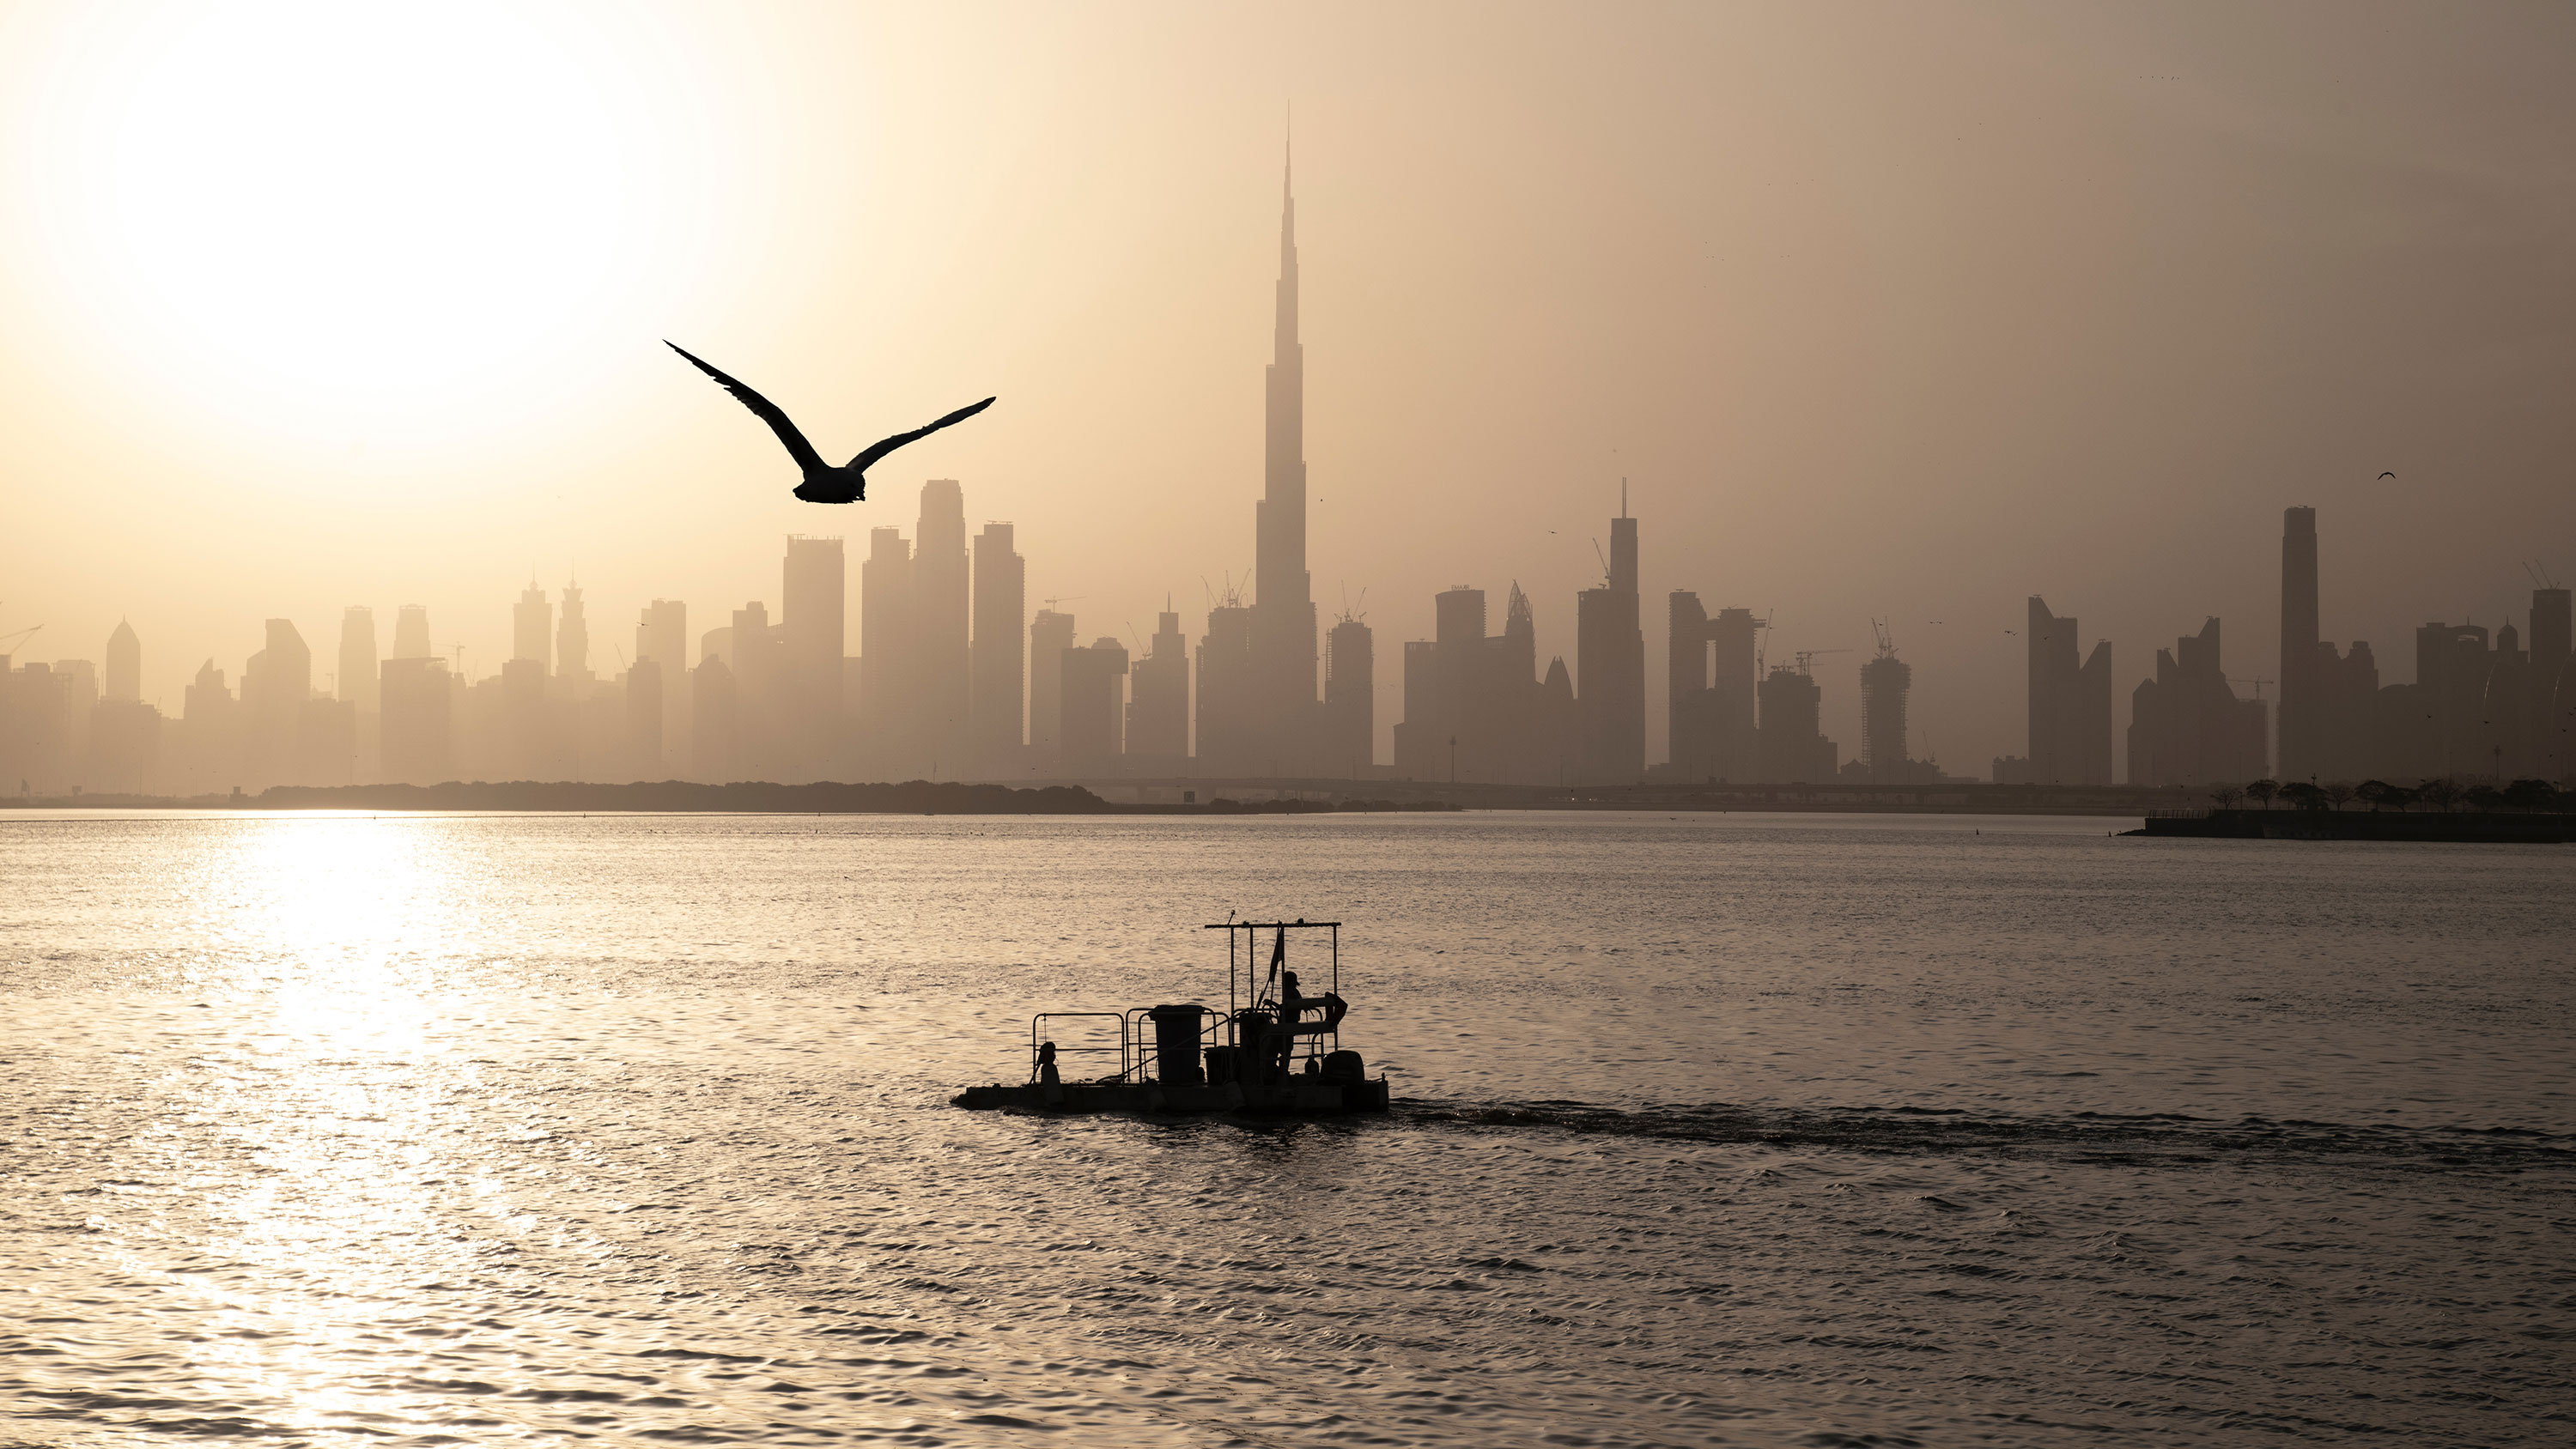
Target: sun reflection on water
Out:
[343,1109]
[347,918]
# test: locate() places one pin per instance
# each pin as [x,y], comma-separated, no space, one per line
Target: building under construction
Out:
[1884,682]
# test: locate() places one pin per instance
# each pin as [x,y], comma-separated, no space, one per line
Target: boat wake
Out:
[2144,1139]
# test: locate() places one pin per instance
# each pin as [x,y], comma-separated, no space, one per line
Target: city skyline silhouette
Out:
[1816,426]
[952,662]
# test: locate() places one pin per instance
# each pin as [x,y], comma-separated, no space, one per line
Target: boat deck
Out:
[1300,1097]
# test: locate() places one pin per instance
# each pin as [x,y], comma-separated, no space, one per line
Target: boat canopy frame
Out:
[1260,993]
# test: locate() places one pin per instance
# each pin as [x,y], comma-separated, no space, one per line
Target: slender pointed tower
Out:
[1283,606]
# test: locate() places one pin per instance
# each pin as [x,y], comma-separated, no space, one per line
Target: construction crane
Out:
[1052,601]
[1803,655]
[10,642]
[2257,683]
[1232,597]
[1886,641]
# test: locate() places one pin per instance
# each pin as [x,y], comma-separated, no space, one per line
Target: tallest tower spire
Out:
[1285,349]
[1283,609]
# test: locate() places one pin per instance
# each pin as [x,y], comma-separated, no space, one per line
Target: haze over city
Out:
[1880,313]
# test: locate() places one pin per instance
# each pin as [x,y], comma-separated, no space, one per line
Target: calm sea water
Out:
[1713,1130]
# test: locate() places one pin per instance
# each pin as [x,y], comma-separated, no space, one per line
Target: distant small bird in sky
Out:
[2387,475]
[822,483]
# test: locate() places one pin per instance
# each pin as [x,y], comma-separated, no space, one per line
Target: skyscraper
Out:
[998,687]
[2553,685]
[1474,707]
[572,645]
[2186,725]
[941,609]
[275,684]
[417,714]
[411,633]
[1158,709]
[527,719]
[1556,724]
[714,722]
[644,719]
[1465,725]
[2504,709]
[1610,666]
[1421,737]
[2348,699]
[886,693]
[76,684]
[1792,746]
[358,682]
[662,636]
[1690,725]
[1050,635]
[531,623]
[1713,664]
[1283,607]
[125,664]
[2452,662]
[1229,714]
[125,733]
[1093,694]
[1884,683]
[2070,703]
[2550,620]
[753,652]
[210,733]
[2301,721]
[812,628]
[1350,698]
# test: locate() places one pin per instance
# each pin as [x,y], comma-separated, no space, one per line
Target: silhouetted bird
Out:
[823,483]
[2387,475]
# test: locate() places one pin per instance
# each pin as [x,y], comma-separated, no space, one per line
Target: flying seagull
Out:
[2387,475]
[823,483]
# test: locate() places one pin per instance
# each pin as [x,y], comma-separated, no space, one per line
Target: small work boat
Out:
[1274,1050]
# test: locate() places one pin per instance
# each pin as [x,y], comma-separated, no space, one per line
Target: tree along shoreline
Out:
[2454,827]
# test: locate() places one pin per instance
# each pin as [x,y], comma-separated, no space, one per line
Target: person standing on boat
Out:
[1292,1005]
[1046,1065]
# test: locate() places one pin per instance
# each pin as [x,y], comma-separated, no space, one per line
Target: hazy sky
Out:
[1905,311]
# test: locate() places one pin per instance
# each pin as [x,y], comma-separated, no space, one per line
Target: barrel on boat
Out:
[1176,1043]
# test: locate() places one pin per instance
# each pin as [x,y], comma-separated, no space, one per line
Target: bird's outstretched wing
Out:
[879,450]
[761,407]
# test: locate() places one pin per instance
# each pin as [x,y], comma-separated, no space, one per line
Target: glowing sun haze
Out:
[316,222]
[1895,311]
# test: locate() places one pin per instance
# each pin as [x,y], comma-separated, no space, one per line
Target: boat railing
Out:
[1035,1034]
